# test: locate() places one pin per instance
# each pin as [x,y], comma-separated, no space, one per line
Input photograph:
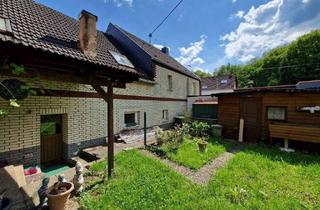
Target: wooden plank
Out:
[20,177]
[295,132]
[241,129]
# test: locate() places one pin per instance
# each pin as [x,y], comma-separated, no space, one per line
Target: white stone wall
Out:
[85,118]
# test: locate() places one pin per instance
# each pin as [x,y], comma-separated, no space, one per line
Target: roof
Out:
[40,27]
[218,83]
[206,101]
[158,56]
[274,89]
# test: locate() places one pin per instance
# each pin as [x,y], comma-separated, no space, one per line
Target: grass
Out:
[256,178]
[188,154]
[270,179]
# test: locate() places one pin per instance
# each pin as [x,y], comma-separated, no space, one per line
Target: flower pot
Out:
[58,200]
[202,146]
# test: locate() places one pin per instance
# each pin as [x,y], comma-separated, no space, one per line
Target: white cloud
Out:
[233,1]
[306,1]
[239,15]
[159,46]
[270,25]
[190,55]
[120,3]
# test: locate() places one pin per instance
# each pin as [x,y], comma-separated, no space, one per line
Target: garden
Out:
[191,145]
[256,177]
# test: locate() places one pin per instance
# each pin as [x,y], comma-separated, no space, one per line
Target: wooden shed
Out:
[289,112]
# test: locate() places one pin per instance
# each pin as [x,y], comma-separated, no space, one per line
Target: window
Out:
[170,85]
[224,81]
[5,25]
[194,87]
[121,59]
[51,124]
[131,119]
[165,115]
[277,113]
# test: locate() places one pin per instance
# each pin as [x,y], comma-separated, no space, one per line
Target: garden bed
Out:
[256,178]
[188,154]
[189,145]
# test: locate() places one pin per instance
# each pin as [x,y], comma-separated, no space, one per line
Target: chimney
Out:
[88,33]
[165,50]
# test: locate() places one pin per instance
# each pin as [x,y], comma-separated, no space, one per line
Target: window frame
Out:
[194,84]
[278,120]
[8,28]
[170,82]
[165,115]
[136,119]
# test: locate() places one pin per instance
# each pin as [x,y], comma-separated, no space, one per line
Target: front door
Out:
[51,138]
[250,111]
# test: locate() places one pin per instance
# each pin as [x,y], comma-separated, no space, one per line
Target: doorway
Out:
[51,139]
[250,111]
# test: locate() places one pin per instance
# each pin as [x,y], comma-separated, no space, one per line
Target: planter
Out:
[57,200]
[202,146]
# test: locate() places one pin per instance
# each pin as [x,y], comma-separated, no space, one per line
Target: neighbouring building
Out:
[66,116]
[287,112]
[218,84]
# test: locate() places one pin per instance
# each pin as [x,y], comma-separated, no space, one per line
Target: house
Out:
[205,107]
[287,112]
[66,61]
[218,84]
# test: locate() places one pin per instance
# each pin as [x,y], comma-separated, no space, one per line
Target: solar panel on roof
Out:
[121,59]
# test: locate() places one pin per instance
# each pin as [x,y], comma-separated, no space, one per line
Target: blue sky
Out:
[205,33]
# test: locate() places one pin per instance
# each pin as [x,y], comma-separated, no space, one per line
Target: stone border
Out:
[201,176]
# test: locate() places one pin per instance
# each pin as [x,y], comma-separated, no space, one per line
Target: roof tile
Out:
[43,28]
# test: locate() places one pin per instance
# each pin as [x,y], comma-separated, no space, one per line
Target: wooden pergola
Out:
[53,67]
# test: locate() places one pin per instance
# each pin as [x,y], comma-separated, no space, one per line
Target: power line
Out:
[158,26]
[290,66]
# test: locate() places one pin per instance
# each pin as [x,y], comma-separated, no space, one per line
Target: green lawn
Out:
[256,178]
[188,154]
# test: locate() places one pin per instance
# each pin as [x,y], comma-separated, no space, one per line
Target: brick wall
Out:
[84,119]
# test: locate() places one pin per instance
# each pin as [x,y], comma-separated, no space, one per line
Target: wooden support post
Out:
[110,132]
[108,97]
[145,129]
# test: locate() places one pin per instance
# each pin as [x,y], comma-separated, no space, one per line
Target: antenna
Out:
[158,26]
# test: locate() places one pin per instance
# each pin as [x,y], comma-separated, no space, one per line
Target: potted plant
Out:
[202,144]
[58,195]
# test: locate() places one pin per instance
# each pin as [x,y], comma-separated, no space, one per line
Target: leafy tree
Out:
[202,74]
[287,64]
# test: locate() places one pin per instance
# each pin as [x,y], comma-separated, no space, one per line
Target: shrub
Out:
[200,129]
[185,130]
[186,116]
[160,136]
[171,139]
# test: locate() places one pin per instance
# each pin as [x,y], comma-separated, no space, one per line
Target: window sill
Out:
[131,126]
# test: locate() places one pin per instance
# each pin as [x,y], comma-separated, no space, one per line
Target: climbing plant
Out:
[7,92]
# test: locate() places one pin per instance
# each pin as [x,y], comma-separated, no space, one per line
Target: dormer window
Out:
[5,26]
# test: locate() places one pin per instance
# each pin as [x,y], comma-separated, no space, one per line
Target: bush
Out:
[200,129]
[170,139]
[186,116]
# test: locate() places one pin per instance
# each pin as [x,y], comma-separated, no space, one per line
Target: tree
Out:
[287,64]
[202,74]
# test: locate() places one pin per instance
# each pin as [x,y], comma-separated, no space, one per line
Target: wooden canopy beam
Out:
[108,97]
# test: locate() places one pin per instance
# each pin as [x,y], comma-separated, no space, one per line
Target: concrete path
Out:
[203,175]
